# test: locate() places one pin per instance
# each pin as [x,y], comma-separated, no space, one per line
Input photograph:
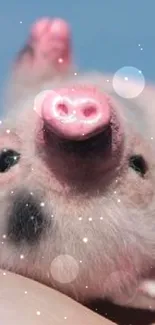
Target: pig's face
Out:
[77,202]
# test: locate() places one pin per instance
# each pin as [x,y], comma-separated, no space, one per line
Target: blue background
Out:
[106,33]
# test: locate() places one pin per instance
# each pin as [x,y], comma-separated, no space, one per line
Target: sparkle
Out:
[85,239]
[52,216]
[21,22]
[38,313]
[32,218]
[116,181]
[21,257]
[90,219]
[101,218]
[80,218]
[140,71]
[80,261]
[8,131]
[0,122]
[31,193]
[86,287]
[151,138]
[42,204]
[32,169]
[118,200]
[108,80]
[60,60]
[75,74]
[27,205]
[65,317]
[115,192]
[139,45]
[4,273]
[25,292]
[126,78]
[4,236]
[141,49]
[2,242]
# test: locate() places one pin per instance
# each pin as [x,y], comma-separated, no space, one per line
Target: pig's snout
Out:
[76,114]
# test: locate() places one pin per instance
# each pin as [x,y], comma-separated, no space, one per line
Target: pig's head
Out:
[76,176]
[77,189]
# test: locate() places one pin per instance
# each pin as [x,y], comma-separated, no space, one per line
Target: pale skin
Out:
[23,301]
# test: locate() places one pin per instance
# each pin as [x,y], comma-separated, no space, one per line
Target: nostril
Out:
[62,109]
[89,111]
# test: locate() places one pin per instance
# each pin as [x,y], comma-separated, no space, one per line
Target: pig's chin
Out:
[96,144]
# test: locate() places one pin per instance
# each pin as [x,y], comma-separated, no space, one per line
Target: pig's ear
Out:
[38,102]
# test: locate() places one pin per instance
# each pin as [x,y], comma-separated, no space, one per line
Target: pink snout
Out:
[76,113]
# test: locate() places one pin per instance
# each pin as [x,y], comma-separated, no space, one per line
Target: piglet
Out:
[77,179]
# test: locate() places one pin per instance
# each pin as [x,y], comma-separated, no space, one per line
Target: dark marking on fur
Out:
[27,222]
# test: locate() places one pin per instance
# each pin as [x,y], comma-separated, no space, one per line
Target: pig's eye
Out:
[138,163]
[8,158]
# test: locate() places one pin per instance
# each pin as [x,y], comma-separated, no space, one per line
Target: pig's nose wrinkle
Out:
[26,222]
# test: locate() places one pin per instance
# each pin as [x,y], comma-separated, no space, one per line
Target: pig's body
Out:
[81,198]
